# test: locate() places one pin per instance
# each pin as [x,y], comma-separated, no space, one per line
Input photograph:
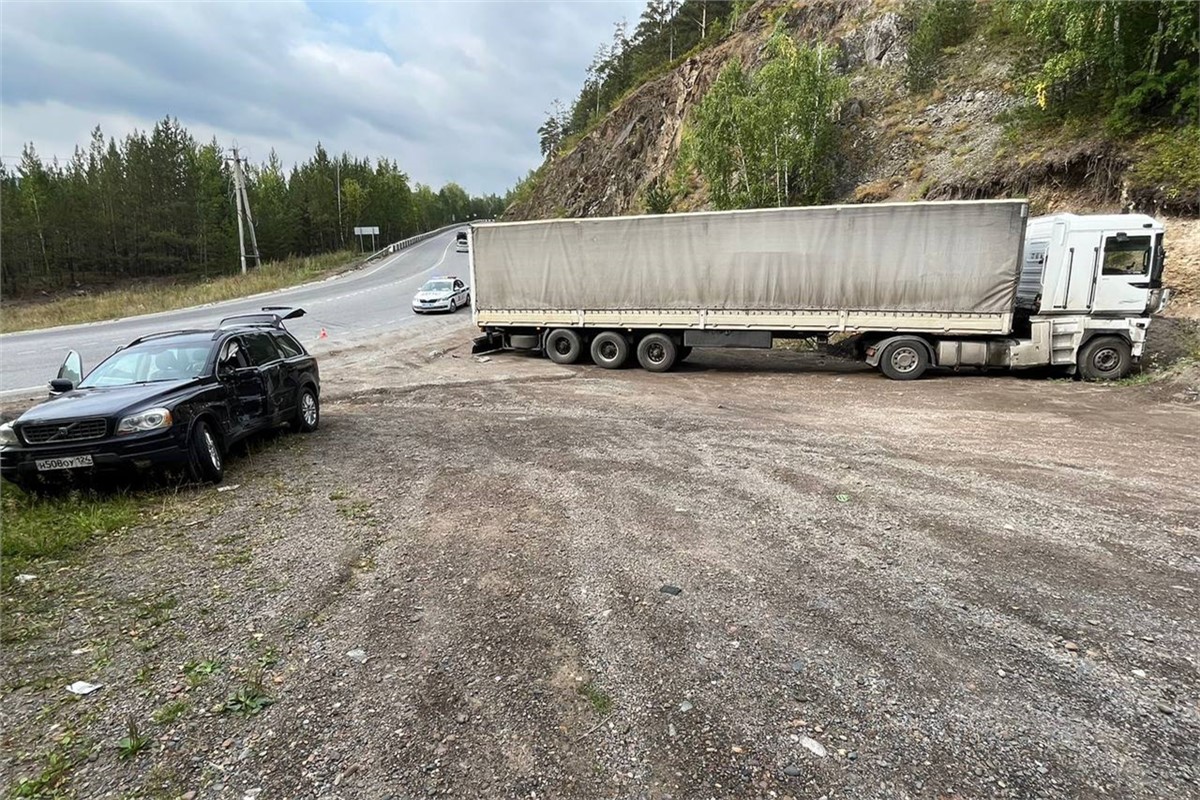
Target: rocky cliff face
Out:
[950,143]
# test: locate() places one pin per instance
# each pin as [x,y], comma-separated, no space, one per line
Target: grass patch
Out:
[47,783]
[1169,165]
[47,527]
[134,741]
[133,301]
[51,781]
[197,672]
[249,700]
[597,698]
[169,712]
[875,191]
[359,510]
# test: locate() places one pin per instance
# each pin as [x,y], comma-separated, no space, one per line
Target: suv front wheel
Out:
[205,462]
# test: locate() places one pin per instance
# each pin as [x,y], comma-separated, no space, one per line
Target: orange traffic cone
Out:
[323,335]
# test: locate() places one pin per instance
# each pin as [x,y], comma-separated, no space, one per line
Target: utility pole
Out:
[243,209]
[338,180]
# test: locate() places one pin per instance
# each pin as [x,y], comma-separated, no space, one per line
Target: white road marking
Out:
[445,253]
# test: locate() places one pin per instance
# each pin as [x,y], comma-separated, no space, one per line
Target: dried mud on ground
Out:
[968,586]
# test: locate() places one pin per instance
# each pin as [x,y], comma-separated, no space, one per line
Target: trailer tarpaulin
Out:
[949,257]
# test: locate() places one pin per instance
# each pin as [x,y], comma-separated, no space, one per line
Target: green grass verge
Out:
[23,316]
[34,527]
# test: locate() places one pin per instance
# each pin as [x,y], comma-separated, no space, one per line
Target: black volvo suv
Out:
[176,399]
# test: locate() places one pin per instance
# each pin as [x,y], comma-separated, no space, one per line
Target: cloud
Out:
[451,91]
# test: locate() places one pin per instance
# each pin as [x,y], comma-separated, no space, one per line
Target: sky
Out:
[452,91]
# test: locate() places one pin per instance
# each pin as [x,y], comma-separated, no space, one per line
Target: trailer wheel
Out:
[904,360]
[1105,358]
[610,350]
[657,352]
[564,346]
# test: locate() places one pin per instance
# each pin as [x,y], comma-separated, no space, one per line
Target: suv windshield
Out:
[148,363]
[436,286]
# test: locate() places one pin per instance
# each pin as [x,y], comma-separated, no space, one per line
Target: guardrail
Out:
[404,244]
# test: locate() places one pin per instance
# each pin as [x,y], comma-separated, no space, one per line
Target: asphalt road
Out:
[350,308]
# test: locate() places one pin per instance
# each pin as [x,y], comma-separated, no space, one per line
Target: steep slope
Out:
[957,140]
[637,143]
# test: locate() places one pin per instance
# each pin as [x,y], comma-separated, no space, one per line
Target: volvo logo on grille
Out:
[63,431]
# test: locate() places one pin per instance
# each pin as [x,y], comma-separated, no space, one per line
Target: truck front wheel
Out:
[656,352]
[610,350]
[1105,358]
[904,360]
[564,346]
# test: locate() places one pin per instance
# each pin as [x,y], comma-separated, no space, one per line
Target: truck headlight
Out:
[8,437]
[149,420]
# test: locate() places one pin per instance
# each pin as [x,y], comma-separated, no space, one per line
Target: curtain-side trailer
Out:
[947,284]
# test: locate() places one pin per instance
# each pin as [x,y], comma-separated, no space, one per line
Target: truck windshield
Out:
[1126,255]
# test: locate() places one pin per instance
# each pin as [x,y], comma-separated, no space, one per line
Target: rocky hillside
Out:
[957,140]
[963,138]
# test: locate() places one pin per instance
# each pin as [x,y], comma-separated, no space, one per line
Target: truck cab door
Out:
[1122,279]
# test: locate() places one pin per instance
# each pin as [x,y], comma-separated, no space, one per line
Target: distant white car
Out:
[442,294]
[461,242]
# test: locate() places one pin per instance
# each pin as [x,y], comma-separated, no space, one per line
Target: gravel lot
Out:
[968,586]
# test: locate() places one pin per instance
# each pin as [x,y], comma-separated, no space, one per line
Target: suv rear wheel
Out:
[308,411]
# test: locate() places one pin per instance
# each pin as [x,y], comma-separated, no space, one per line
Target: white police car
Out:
[441,294]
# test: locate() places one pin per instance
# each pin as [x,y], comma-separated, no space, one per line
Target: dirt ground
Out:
[968,586]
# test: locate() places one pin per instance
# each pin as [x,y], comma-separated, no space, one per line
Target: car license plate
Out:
[71,462]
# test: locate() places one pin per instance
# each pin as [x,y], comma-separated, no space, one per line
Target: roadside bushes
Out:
[1134,63]
[936,25]
[771,138]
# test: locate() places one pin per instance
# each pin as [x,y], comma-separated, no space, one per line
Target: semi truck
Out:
[910,285]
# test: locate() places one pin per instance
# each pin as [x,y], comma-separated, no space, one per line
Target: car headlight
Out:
[149,420]
[8,437]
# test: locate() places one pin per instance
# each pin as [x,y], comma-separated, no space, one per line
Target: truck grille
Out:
[78,431]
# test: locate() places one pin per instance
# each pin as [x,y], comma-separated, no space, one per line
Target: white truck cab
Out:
[1099,264]
[1089,284]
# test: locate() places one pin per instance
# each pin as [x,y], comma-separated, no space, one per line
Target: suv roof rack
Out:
[267,318]
[162,334]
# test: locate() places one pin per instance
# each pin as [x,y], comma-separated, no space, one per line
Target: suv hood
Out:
[105,401]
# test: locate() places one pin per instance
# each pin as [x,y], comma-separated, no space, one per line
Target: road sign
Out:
[369,231]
